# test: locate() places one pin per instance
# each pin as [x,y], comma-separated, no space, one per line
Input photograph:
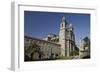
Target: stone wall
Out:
[48,49]
[85,48]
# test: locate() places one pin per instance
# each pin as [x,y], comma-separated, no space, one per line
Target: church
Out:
[53,46]
[66,38]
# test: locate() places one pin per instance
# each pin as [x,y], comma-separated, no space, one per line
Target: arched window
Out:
[62,24]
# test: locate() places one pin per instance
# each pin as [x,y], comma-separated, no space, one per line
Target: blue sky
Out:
[39,24]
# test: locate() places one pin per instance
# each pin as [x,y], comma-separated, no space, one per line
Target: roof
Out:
[40,40]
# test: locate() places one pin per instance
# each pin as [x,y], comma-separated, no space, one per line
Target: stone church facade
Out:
[66,38]
[53,45]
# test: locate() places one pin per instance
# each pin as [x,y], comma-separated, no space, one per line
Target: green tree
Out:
[33,47]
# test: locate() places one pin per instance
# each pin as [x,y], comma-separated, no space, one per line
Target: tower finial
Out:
[63,22]
[63,18]
[71,27]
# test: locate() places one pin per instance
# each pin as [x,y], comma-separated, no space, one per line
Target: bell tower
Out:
[62,35]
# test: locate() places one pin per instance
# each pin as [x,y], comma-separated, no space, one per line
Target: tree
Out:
[31,49]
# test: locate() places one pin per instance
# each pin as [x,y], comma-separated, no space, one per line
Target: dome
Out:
[71,26]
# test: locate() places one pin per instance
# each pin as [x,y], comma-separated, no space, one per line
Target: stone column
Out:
[68,48]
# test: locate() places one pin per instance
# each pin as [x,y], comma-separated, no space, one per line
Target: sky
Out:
[40,24]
